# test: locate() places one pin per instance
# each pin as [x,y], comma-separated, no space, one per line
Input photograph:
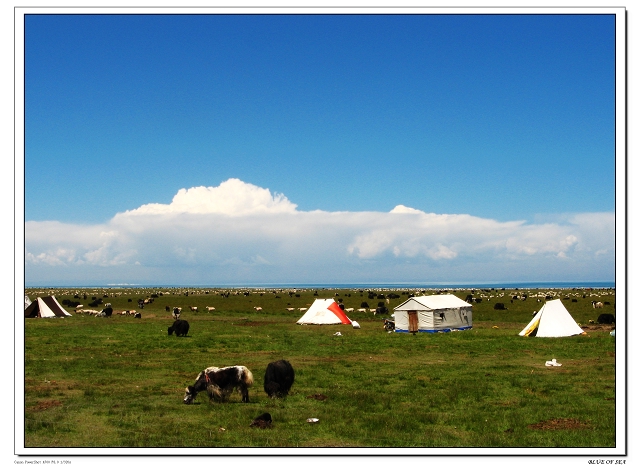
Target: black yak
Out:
[278,378]
[220,383]
[180,327]
[606,319]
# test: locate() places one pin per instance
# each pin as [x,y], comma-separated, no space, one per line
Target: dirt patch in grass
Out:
[598,327]
[317,397]
[560,424]
[507,403]
[44,405]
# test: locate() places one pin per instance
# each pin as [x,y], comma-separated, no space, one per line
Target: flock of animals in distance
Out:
[220,383]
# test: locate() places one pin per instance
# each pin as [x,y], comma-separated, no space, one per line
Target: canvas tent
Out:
[433,313]
[47,307]
[553,320]
[27,301]
[324,312]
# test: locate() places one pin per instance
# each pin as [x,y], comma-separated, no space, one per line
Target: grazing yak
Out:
[278,378]
[606,319]
[180,327]
[108,310]
[220,383]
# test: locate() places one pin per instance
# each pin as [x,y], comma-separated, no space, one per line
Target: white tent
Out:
[324,312]
[433,313]
[27,301]
[553,320]
[47,307]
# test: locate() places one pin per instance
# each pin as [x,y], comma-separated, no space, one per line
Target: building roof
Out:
[432,302]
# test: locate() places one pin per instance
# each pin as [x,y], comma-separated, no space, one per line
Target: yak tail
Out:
[247,377]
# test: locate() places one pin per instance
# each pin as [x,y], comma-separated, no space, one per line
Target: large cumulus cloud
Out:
[238,232]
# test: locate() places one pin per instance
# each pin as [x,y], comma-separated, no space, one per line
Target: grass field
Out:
[118,382]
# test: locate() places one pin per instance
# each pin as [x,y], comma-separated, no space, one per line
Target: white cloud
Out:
[242,233]
[232,197]
[403,209]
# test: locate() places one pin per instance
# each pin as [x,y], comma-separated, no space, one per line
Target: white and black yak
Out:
[180,327]
[278,378]
[220,383]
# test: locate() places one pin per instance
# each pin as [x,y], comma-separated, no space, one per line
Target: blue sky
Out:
[397,126]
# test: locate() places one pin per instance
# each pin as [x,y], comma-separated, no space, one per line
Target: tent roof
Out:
[324,312]
[553,320]
[431,302]
[47,307]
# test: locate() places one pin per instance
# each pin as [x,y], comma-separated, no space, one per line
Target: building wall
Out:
[432,321]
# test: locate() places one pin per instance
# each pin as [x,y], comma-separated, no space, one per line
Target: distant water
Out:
[350,286]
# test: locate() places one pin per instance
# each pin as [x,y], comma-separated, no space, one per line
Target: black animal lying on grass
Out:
[220,383]
[262,421]
[278,378]
[180,327]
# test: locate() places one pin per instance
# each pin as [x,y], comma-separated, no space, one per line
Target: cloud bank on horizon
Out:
[241,233]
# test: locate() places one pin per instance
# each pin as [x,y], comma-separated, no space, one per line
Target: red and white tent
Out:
[324,312]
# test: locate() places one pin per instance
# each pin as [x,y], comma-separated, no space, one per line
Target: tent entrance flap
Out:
[532,327]
[335,309]
[413,321]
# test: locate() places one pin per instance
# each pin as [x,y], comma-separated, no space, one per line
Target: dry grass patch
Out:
[598,327]
[507,403]
[44,405]
[560,424]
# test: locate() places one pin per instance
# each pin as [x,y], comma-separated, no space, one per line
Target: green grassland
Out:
[119,381]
